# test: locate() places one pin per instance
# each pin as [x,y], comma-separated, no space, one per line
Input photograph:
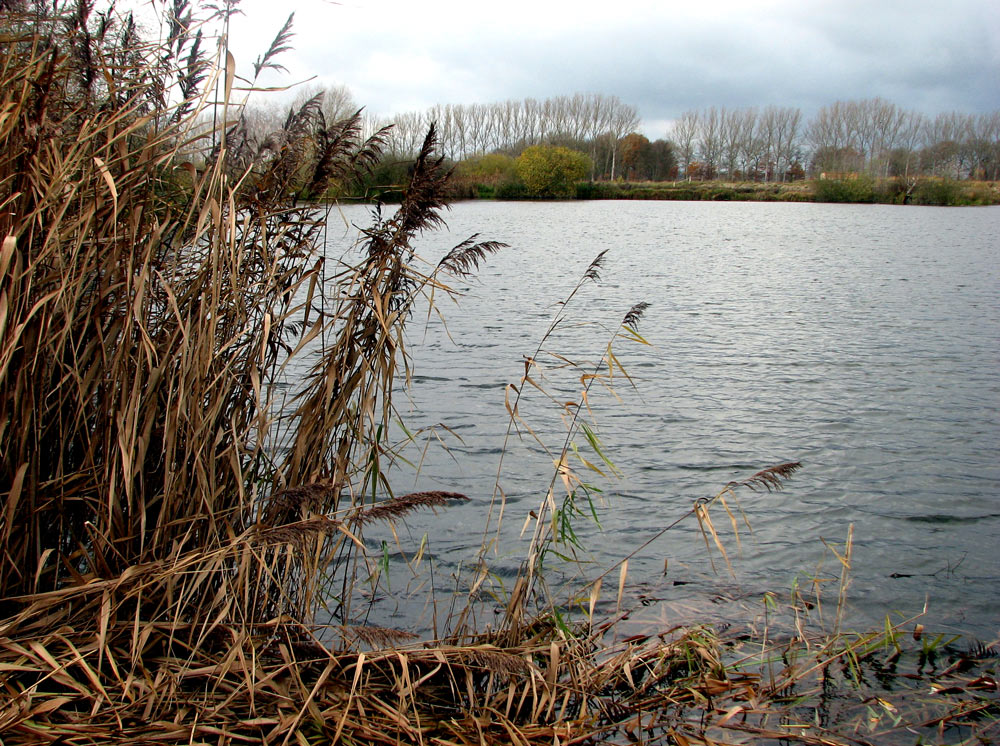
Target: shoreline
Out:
[925,192]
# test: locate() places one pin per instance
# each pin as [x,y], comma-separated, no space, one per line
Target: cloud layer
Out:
[401,55]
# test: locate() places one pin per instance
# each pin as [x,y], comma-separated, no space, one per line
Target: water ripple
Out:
[862,340]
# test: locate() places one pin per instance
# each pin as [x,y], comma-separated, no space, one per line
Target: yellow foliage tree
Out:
[551,171]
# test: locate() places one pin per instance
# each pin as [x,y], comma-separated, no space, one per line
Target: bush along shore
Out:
[859,190]
[177,510]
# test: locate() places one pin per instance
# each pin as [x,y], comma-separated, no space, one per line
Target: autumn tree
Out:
[551,171]
[632,147]
[643,160]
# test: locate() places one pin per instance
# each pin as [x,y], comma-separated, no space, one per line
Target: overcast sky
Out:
[662,57]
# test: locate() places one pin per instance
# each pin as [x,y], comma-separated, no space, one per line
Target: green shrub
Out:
[721,194]
[938,192]
[858,189]
[487,169]
[511,190]
[551,171]
[599,190]
[980,193]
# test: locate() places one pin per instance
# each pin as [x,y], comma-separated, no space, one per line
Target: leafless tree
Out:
[729,134]
[685,134]
[337,103]
[786,141]
[710,140]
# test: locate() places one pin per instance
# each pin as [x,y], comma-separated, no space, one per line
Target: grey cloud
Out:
[927,56]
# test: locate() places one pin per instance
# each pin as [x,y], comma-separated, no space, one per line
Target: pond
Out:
[861,340]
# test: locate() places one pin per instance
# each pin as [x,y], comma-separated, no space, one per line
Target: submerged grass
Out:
[169,530]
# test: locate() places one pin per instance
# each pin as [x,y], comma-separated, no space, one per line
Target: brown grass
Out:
[156,279]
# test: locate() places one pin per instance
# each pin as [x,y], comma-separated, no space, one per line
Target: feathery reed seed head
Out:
[397,507]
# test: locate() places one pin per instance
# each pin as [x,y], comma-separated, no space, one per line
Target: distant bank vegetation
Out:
[850,151]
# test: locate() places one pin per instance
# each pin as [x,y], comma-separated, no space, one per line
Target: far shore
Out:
[926,191]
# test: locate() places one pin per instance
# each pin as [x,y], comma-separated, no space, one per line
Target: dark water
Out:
[863,341]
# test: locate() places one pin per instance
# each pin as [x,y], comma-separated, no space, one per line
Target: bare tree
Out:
[751,152]
[710,140]
[832,135]
[263,118]
[910,132]
[622,120]
[407,134]
[785,132]
[986,146]
[942,136]
[532,122]
[729,134]
[337,103]
[685,133]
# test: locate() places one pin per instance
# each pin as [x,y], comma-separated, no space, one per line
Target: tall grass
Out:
[157,277]
[162,513]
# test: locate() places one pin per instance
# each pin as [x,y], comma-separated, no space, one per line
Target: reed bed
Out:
[171,524]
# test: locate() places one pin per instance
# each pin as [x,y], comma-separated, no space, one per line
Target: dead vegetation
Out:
[170,524]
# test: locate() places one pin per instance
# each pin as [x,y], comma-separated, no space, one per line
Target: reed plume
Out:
[282,43]
[634,314]
[465,258]
[397,507]
[771,478]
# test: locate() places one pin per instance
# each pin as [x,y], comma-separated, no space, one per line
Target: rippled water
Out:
[863,341]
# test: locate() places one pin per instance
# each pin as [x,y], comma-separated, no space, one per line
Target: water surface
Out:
[863,341]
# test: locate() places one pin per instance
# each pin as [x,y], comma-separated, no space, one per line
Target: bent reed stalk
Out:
[169,530]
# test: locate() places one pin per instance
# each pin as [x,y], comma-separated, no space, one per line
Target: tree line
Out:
[594,124]
[879,138]
[591,123]
[764,144]
[871,136]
